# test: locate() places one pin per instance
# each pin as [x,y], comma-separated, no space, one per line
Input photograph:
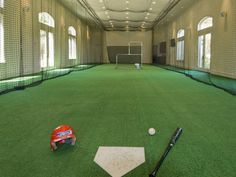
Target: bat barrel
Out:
[172,142]
[176,136]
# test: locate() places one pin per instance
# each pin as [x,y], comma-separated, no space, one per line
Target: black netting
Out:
[225,83]
[35,43]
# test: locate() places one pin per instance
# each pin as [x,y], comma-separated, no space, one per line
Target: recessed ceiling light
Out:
[127,8]
[127,17]
[150,8]
[127,13]
[127,21]
[101,1]
[148,13]
[108,16]
[127,2]
[146,17]
[106,12]
[153,2]
[104,7]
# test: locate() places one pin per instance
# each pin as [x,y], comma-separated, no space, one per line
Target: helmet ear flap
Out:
[53,146]
[73,141]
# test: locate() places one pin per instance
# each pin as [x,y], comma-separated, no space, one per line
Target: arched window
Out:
[180,45]
[180,33]
[72,42]
[206,22]
[46,19]
[72,31]
[204,42]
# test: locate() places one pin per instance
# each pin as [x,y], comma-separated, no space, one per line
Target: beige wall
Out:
[123,38]
[223,61]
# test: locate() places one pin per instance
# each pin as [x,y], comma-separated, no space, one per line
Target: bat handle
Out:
[153,174]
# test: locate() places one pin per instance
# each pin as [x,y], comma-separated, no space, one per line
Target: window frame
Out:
[72,43]
[48,28]
[180,47]
[203,32]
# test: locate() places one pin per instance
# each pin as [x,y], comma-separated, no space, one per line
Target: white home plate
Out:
[117,161]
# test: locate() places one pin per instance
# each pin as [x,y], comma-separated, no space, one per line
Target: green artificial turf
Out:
[115,107]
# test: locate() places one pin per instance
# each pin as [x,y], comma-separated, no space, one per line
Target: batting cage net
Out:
[226,83]
[41,40]
[195,52]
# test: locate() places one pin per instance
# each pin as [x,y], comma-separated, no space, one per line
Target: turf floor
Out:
[115,107]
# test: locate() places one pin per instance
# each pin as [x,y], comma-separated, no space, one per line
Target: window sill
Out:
[48,68]
[203,69]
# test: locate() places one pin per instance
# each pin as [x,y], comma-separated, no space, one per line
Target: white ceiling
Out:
[128,14]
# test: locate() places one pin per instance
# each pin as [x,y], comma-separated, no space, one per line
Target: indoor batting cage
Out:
[121,88]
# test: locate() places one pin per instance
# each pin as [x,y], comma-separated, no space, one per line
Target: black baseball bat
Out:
[172,142]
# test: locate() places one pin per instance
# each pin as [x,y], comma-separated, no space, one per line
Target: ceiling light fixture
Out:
[106,12]
[127,13]
[153,2]
[101,1]
[150,8]
[127,2]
